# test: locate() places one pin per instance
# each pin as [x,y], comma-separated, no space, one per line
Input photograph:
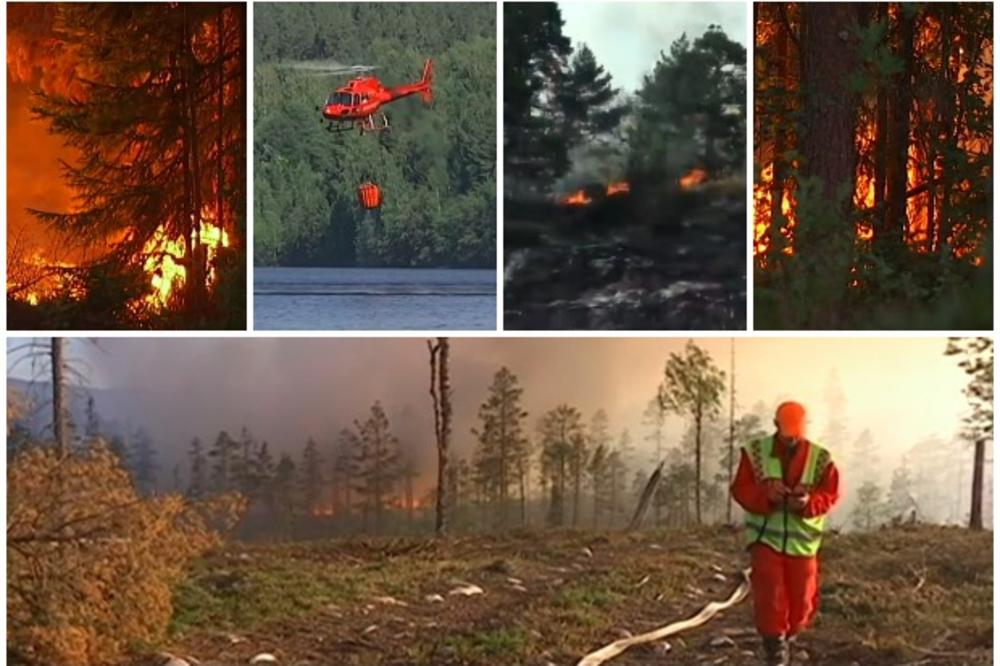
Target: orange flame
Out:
[578,198]
[620,187]
[164,257]
[693,178]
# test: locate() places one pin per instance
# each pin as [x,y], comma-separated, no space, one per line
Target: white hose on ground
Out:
[612,650]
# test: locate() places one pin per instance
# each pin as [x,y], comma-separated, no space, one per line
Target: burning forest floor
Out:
[649,259]
[908,595]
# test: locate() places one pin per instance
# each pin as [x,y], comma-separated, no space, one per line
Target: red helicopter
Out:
[359,102]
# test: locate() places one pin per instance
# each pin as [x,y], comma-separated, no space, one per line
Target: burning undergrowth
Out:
[628,254]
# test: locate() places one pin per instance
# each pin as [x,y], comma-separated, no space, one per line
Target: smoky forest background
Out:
[873,154]
[143,224]
[436,165]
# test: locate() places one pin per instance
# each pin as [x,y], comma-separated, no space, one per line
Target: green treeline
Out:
[566,123]
[436,166]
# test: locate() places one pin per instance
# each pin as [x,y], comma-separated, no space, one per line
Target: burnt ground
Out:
[653,259]
[919,596]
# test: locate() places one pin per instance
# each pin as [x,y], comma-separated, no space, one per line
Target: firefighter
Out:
[786,484]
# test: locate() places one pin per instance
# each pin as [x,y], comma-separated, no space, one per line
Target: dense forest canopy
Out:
[436,165]
[566,123]
[153,158]
[873,164]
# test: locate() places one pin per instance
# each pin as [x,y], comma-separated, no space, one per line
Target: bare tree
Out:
[58,365]
[441,397]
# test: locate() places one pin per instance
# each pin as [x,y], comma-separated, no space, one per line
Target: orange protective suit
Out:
[785,587]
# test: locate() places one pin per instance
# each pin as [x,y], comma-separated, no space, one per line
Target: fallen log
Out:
[612,650]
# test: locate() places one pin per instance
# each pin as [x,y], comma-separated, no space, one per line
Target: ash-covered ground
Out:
[655,258]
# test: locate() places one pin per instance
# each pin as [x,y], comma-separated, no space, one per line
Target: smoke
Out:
[627,37]
[286,390]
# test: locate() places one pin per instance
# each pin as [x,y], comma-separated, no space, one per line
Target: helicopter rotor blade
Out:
[327,68]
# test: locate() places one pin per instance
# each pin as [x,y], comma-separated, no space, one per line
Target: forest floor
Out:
[648,260]
[920,596]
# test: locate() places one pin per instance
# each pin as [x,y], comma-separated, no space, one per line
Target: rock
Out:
[722,642]
[801,656]
[719,577]
[390,601]
[369,629]
[587,552]
[515,581]
[519,588]
[171,660]
[263,658]
[661,648]
[434,599]
[467,590]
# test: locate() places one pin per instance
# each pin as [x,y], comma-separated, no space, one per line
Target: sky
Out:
[627,37]
[286,390]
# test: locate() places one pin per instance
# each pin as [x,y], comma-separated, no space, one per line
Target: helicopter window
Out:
[339,98]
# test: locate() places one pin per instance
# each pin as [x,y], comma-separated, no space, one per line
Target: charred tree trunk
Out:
[895,224]
[947,131]
[829,56]
[58,363]
[881,121]
[441,396]
[978,464]
[220,177]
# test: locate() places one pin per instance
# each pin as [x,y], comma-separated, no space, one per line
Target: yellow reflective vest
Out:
[784,530]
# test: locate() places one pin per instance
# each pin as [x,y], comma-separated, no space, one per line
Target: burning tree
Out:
[873,151]
[155,111]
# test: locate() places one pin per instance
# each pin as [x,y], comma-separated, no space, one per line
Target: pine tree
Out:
[693,387]
[224,452]
[377,460]
[198,482]
[501,439]
[311,479]
[143,462]
[558,431]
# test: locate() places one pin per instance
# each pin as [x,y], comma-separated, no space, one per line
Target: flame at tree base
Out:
[163,260]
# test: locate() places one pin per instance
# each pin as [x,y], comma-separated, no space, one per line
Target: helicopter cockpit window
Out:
[339,98]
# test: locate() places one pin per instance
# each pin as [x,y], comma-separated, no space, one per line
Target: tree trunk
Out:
[947,125]
[732,428]
[697,466]
[441,396]
[976,511]
[775,239]
[881,121]
[59,396]
[896,223]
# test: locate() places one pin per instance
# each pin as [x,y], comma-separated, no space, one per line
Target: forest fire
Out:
[578,198]
[621,187]
[113,222]
[693,178]
[164,259]
[940,150]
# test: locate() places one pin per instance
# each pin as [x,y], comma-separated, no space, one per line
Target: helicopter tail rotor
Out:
[427,80]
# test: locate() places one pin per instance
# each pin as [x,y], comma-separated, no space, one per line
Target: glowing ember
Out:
[578,198]
[693,178]
[621,187]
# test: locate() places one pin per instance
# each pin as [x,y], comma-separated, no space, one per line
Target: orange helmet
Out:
[790,418]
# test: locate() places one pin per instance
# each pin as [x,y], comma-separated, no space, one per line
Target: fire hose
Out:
[712,609]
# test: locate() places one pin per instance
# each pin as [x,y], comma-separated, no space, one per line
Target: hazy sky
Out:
[903,390]
[627,37]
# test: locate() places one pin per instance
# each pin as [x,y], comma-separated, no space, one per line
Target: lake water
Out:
[322,299]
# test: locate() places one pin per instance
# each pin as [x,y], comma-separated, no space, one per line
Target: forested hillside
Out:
[436,166]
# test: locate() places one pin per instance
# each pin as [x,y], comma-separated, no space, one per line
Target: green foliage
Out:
[698,89]
[436,166]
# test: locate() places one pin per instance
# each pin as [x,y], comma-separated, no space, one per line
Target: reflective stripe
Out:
[782,530]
